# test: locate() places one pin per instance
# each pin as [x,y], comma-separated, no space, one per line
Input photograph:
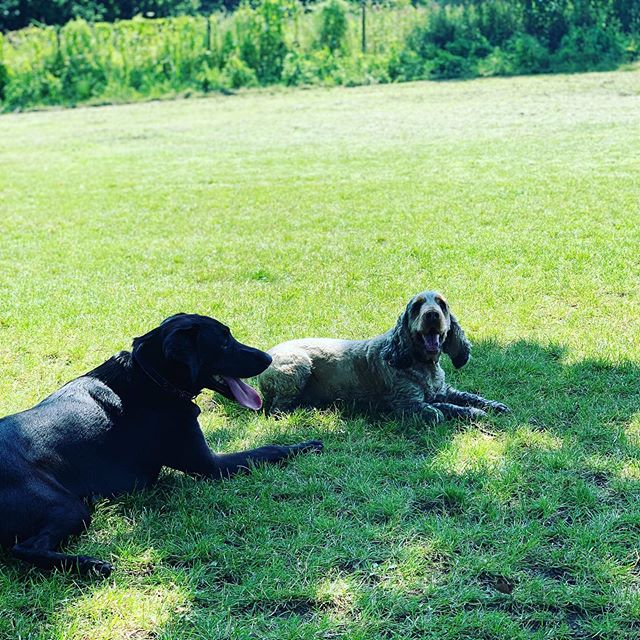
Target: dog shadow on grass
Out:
[525,523]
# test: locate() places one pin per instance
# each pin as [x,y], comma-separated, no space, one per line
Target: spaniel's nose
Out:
[432,316]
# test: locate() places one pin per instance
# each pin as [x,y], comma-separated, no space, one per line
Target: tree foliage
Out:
[547,20]
[15,14]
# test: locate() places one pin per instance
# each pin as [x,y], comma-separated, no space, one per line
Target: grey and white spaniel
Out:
[397,372]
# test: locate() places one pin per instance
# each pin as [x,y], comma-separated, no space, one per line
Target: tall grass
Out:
[282,41]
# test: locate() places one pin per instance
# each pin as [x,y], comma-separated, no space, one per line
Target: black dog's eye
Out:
[226,336]
[441,303]
[417,304]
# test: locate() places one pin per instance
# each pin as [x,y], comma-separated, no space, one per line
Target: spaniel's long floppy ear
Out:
[397,350]
[181,346]
[456,345]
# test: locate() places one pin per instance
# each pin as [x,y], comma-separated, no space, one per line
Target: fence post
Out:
[364,26]
[58,30]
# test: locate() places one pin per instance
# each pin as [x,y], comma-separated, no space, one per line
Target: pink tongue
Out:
[432,341]
[244,394]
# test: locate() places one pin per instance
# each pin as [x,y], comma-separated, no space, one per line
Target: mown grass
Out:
[321,213]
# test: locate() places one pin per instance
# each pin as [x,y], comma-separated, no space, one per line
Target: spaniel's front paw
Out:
[498,407]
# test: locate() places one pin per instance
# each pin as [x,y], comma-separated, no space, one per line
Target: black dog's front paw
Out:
[93,566]
[310,446]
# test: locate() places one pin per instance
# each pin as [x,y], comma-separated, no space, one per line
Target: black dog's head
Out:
[425,330]
[194,352]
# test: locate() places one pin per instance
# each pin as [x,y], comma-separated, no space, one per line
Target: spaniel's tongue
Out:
[244,394]
[431,342]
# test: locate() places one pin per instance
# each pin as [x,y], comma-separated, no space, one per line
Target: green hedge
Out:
[281,41]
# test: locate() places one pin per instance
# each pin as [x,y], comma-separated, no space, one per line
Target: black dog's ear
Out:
[397,351]
[181,345]
[456,344]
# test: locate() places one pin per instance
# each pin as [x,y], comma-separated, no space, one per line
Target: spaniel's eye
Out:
[415,307]
[441,303]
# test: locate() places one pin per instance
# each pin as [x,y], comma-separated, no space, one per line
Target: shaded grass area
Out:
[321,213]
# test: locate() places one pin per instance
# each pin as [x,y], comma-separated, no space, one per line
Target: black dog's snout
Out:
[247,362]
[267,359]
[260,358]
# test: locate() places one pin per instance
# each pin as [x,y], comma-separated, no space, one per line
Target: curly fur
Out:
[397,372]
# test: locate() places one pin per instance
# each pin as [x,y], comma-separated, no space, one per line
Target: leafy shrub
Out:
[546,20]
[237,73]
[527,54]
[248,35]
[498,20]
[325,67]
[627,13]
[632,50]
[82,71]
[375,69]
[447,46]
[443,27]
[333,25]
[4,74]
[588,48]
[521,54]
[271,42]
[299,69]
[227,48]
[261,38]
[445,65]
[212,79]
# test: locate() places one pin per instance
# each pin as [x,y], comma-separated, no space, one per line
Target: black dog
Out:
[113,429]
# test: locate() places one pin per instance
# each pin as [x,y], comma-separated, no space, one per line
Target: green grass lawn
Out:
[320,213]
